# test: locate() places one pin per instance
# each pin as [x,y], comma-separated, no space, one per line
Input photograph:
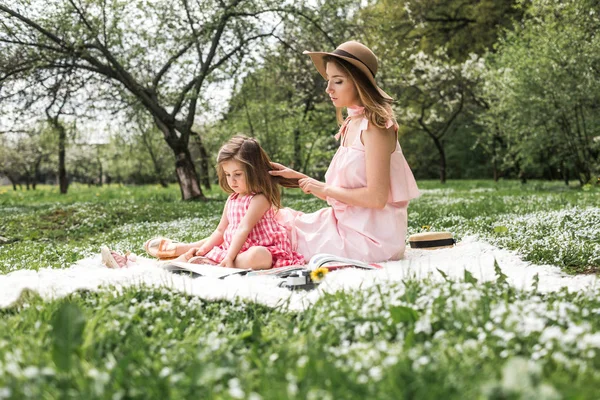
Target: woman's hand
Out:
[285,172]
[227,263]
[313,186]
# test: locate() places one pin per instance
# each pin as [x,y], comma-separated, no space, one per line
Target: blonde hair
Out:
[378,109]
[256,164]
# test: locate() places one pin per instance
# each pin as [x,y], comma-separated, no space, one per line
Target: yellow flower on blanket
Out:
[318,274]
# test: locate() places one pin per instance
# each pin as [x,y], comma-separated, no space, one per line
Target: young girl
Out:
[248,235]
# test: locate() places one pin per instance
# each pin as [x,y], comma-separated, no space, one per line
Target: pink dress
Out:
[267,233]
[360,233]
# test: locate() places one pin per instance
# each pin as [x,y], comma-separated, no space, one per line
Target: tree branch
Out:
[168,64]
[35,26]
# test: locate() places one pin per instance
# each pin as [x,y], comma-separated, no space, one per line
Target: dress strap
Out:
[343,129]
[364,124]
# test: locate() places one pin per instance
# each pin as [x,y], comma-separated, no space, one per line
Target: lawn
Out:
[415,339]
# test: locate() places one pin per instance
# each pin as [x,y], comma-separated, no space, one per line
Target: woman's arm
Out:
[378,152]
[285,172]
[257,208]
[216,238]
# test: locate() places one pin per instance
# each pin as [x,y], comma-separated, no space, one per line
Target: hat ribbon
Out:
[346,54]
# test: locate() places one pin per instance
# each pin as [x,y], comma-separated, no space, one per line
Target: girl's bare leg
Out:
[256,257]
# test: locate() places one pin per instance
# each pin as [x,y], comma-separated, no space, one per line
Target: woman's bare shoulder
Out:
[378,136]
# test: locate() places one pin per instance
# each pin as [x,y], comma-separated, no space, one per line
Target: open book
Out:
[328,261]
[216,271]
[196,270]
[332,262]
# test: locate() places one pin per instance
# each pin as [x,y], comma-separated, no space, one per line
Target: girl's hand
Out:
[200,251]
[189,254]
[227,263]
[285,172]
[313,186]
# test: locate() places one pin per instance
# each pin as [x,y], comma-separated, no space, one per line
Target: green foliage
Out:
[428,338]
[68,324]
[452,340]
[282,100]
[543,89]
[399,28]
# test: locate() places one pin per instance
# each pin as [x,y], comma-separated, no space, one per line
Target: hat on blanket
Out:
[356,54]
[431,240]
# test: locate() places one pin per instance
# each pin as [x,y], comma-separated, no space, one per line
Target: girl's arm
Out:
[257,208]
[216,238]
[379,145]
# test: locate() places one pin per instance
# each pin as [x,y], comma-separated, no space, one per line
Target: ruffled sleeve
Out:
[403,186]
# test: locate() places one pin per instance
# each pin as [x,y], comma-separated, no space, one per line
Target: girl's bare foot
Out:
[201,260]
[112,259]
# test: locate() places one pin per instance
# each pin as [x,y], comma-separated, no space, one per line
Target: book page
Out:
[213,271]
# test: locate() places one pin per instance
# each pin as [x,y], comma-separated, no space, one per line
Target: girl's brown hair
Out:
[256,164]
[378,109]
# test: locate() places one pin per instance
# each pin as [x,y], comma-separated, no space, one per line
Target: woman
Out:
[368,184]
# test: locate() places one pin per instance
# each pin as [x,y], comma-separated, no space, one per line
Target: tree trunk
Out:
[297,162]
[187,177]
[440,147]
[184,166]
[495,162]
[297,134]
[100,173]
[13,181]
[522,176]
[36,172]
[204,163]
[63,182]
[495,169]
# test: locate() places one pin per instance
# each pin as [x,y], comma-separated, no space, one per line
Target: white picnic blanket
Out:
[471,254]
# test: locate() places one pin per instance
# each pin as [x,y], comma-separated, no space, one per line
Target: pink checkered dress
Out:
[267,233]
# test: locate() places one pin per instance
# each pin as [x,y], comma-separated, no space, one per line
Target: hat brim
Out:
[317,59]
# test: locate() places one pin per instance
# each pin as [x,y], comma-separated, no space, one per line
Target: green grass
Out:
[547,222]
[415,339]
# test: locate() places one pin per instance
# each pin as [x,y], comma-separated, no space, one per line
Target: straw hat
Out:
[356,54]
[431,240]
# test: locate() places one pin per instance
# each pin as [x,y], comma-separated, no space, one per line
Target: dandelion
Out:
[318,274]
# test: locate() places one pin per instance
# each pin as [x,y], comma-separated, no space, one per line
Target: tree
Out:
[438,92]
[22,155]
[544,90]
[445,34]
[464,27]
[282,100]
[138,154]
[160,54]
